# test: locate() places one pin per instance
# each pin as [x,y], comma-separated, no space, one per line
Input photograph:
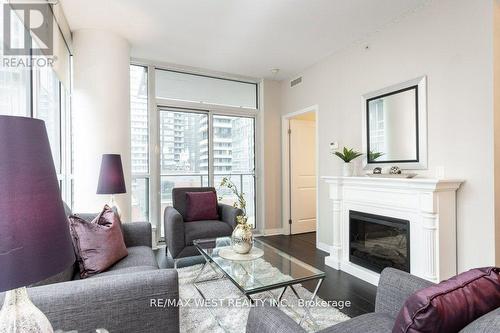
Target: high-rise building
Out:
[222,145]
[139,119]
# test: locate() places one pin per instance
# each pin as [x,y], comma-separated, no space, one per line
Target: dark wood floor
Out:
[337,285]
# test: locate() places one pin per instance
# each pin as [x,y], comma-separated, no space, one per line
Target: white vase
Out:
[348,169]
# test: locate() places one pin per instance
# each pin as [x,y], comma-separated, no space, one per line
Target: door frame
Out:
[285,166]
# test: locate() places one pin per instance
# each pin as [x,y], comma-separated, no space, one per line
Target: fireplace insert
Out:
[376,241]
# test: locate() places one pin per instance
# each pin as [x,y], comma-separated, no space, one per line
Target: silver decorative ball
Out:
[395,170]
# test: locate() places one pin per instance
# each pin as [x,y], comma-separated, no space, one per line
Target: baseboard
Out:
[272,232]
[332,262]
[360,272]
[323,247]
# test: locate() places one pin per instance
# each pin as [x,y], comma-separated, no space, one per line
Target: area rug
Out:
[227,308]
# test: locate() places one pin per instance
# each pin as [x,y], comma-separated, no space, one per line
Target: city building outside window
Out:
[139,133]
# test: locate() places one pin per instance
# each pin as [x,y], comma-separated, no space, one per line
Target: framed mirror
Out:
[395,126]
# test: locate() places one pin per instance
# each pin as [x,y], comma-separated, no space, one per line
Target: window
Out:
[234,157]
[14,81]
[139,135]
[183,152]
[36,91]
[47,106]
[204,89]
[202,129]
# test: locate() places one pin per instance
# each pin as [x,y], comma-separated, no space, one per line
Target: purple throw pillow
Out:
[452,304]
[201,206]
[98,244]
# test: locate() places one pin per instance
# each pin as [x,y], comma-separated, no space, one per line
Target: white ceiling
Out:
[244,37]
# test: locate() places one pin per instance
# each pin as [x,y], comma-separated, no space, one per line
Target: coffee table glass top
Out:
[273,270]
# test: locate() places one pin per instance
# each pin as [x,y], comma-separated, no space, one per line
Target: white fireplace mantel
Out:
[428,204]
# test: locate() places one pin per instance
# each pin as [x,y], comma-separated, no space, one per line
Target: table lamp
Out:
[111,180]
[35,241]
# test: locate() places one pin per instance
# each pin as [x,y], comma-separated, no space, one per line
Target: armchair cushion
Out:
[206,229]
[201,206]
[179,197]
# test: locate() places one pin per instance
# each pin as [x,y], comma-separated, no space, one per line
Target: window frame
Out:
[154,106]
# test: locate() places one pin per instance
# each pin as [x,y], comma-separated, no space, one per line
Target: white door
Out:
[302,175]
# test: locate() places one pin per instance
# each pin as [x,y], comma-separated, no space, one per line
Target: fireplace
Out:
[376,241]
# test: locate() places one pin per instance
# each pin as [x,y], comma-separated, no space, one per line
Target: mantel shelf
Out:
[414,183]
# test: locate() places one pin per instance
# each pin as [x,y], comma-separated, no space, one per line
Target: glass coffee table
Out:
[274,270]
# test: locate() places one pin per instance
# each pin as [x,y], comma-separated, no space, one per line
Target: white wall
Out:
[101,106]
[496,13]
[451,42]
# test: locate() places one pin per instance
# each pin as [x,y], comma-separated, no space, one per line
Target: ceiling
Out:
[244,37]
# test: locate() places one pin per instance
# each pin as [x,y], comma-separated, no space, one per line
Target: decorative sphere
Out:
[395,170]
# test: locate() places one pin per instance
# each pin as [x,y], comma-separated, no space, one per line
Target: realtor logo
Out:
[37,18]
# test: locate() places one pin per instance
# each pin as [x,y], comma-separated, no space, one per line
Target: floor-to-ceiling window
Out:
[202,129]
[139,127]
[234,157]
[183,151]
[31,87]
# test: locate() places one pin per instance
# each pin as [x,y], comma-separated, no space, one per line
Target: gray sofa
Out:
[394,288]
[179,235]
[117,300]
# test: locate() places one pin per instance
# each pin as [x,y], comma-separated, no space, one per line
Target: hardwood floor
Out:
[337,285]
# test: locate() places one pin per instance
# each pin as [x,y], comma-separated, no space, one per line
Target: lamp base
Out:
[114,205]
[20,315]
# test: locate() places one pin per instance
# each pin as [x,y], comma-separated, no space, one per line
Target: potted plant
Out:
[242,237]
[347,155]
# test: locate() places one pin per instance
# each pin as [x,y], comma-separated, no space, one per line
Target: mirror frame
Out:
[420,163]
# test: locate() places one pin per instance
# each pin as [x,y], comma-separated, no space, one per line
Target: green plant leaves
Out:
[347,155]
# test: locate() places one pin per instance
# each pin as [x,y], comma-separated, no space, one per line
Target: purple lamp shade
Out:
[111,179]
[35,242]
